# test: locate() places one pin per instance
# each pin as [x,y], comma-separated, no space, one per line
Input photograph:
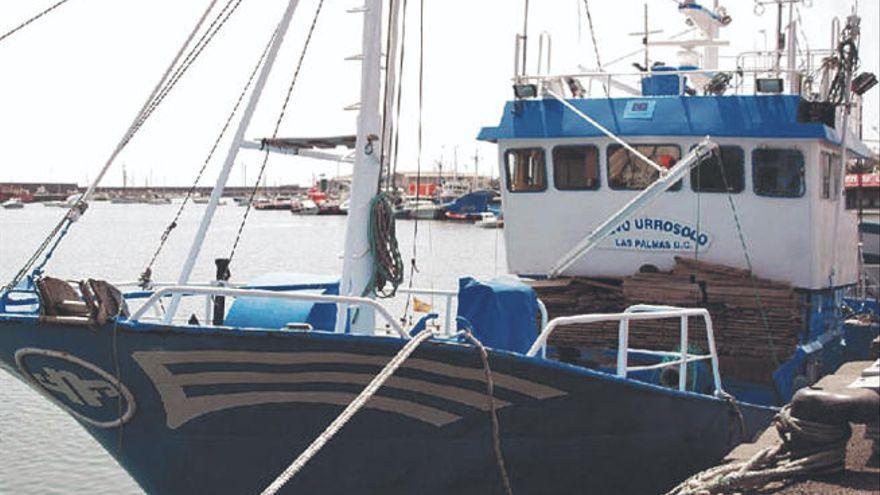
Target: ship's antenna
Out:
[525,34]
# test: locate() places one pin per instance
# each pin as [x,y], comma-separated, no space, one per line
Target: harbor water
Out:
[44,451]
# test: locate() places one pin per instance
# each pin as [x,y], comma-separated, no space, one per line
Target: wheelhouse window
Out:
[778,173]
[721,172]
[628,172]
[576,168]
[831,173]
[525,169]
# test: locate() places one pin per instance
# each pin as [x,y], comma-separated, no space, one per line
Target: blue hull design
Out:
[189,410]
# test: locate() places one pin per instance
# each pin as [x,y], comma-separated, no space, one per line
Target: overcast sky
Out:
[73,80]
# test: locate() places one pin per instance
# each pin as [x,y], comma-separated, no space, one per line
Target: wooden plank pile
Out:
[756,321]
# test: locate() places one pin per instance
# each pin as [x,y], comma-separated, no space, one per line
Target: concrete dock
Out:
[862,474]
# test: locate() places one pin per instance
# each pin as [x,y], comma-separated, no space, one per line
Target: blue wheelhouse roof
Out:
[753,116]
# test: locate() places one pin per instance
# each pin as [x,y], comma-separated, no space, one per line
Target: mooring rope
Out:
[373,387]
[807,448]
[348,412]
[493,412]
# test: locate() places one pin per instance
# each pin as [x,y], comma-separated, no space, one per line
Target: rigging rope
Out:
[148,271]
[79,207]
[32,19]
[395,122]
[281,114]
[412,264]
[192,56]
[748,259]
[349,411]
[807,448]
[595,44]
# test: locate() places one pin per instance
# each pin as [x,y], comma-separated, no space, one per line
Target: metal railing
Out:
[646,312]
[447,295]
[743,80]
[190,290]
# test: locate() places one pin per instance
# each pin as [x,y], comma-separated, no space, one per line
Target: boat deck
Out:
[862,475]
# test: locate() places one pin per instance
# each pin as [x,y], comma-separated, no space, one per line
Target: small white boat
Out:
[489,220]
[203,200]
[307,207]
[12,204]
[67,203]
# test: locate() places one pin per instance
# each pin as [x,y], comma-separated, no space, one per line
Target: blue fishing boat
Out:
[288,385]
[471,206]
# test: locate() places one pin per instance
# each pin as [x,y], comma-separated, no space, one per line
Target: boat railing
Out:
[447,295]
[641,312]
[196,290]
[742,79]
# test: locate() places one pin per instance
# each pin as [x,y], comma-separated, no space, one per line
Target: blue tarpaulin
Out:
[277,313]
[502,311]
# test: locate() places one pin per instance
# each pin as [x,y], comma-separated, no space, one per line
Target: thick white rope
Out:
[347,414]
[778,465]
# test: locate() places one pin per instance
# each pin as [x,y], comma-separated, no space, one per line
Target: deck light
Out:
[863,82]
[525,90]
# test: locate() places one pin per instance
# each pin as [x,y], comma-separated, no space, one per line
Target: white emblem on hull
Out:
[181,407]
[77,386]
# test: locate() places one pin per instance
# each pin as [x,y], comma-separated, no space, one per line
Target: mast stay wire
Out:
[147,272]
[595,45]
[192,56]
[32,19]
[413,267]
[281,114]
[79,207]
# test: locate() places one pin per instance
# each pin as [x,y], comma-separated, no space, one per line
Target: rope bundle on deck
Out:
[807,448]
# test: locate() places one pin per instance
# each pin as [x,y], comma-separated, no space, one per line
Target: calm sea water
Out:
[44,451]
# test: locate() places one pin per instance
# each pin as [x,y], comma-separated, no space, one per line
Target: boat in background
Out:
[12,204]
[67,203]
[471,206]
[203,200]
[276,203]
[489,220]
[421,208]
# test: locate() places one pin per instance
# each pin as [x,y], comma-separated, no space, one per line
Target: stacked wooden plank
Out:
[756,321]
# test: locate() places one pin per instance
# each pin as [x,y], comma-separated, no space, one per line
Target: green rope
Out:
[382,233]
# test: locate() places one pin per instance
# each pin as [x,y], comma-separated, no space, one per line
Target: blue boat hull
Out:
[225,411]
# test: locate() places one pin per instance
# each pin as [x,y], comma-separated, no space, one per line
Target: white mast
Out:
[199,239]
[357,267]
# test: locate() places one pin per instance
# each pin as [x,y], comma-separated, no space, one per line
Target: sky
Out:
[73,80]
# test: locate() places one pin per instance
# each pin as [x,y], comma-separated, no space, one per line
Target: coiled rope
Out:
[807,448]
[382,234]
